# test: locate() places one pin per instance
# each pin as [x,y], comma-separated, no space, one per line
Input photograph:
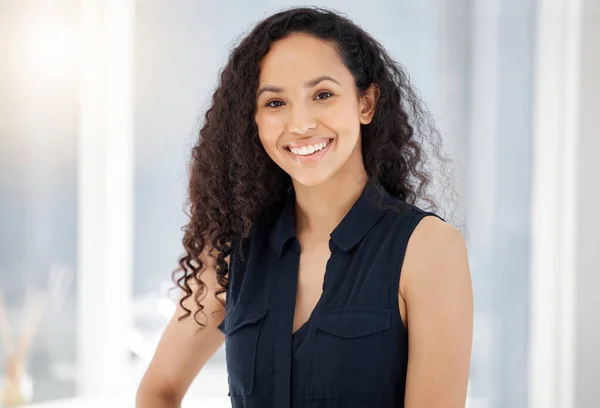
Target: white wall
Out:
[565,331]
[587,361]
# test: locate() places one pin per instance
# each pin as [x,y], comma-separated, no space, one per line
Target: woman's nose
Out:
[301,121]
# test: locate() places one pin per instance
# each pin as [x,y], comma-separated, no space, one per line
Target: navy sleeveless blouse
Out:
[353,350]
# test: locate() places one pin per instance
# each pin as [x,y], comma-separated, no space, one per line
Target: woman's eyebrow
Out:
[269,88]
[317,80]
[307,84]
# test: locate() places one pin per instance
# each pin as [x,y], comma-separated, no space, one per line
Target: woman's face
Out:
[308,110]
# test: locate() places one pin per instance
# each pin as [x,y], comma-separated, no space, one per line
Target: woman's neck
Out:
[321,208]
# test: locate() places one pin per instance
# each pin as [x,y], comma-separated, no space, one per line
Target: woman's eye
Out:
[324,95]
[274,104]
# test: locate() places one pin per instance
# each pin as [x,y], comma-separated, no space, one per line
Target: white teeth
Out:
[306,150]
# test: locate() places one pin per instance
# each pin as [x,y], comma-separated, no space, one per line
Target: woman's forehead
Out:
[301,57]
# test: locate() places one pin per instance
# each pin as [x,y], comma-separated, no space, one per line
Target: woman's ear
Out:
[367,103]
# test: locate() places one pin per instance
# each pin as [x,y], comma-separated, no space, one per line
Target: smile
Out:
[309,153]
[310,149]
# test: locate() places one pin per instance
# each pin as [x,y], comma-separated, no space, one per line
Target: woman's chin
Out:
[310,180]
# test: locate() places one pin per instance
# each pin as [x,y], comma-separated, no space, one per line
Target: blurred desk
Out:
[194,402]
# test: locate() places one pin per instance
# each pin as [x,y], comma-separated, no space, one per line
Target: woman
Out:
[305,250]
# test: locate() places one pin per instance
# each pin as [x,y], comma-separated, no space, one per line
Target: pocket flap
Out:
[245,319]
[353,322]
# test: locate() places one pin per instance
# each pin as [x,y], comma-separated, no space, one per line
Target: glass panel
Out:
[38,198]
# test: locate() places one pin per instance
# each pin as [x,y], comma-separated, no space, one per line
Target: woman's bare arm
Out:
[183,350]
[436,286]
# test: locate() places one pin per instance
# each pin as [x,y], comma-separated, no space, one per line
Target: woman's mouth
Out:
[310,149]
[309,152]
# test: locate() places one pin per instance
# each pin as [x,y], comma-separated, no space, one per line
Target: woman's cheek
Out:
[271,123]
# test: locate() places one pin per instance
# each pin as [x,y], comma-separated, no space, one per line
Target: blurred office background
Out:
[100,102]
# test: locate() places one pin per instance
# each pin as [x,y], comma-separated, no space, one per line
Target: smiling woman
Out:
[307,250]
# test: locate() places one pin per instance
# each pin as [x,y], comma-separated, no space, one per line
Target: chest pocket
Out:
[241,330]
[347,357]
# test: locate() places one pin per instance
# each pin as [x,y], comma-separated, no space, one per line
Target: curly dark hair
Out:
[233,180]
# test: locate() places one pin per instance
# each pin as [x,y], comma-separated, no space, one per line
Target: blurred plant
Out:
[17,386]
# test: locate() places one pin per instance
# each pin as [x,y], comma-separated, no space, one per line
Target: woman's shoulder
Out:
[436,252]
[430,235]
